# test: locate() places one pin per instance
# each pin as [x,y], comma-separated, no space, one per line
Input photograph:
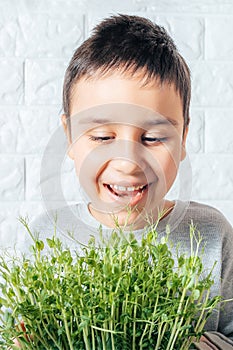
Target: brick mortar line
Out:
[204,133]
[150,12]
[24,178]
[18,107]
[39,155]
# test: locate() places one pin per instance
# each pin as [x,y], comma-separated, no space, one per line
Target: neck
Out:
[132,219]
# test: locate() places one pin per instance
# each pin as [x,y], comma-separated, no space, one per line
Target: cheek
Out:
[89,161]
[170,167]
[80,153]
[167,164]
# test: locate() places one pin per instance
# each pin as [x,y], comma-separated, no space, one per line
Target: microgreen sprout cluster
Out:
[123,294]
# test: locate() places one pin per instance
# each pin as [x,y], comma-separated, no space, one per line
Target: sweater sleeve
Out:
[214,341]
[223,338]
[217,230]
[225,325]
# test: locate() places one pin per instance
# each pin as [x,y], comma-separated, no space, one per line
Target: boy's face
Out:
[127,143]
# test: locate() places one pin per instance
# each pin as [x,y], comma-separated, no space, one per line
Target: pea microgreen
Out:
[123,294]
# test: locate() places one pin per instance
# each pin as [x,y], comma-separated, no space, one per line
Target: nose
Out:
[125,166]
[129,158]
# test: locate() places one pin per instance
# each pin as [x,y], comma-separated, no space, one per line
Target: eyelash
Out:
[154,139]
[103,139]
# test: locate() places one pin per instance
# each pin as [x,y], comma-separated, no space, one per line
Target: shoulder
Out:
[205,210]
[69,222]
[63,217]
[210,222]
[203,214]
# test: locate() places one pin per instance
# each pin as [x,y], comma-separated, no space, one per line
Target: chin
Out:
[126,219]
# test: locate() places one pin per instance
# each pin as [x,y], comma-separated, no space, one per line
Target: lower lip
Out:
[130,200]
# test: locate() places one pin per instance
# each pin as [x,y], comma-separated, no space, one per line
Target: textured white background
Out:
[37,39]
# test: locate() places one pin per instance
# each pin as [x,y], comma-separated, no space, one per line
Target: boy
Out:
[126,114]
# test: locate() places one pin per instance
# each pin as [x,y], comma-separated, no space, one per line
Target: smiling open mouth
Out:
[123,191]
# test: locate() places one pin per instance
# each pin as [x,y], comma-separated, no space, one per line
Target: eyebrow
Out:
[151,122]
[162,121]
[95,120]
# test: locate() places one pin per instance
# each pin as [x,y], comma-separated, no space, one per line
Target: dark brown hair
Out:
[129,44]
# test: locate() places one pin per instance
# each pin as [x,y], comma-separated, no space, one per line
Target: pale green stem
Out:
[111,325]
[134,325]
[197,327]
[143,335]
[176,321]
[164,330]
[153,316]
[124,308]
[67,330]
[50,335]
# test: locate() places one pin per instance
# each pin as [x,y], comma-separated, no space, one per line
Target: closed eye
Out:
[153,140]
[101,139]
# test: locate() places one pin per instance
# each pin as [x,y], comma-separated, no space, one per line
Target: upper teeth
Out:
[123,188]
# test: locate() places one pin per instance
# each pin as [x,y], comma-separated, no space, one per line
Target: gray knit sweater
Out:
[216,231]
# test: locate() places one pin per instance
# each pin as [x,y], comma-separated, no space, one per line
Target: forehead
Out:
[124,96]
[121,113]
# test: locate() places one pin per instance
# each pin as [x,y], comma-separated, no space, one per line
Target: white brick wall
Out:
[37,39]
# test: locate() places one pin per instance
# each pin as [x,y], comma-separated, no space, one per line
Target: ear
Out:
[64,120]
[183,144]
